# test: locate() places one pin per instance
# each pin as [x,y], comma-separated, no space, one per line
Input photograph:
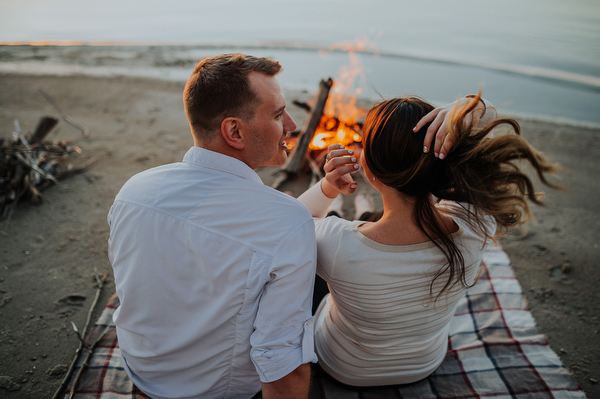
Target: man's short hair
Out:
[219,88]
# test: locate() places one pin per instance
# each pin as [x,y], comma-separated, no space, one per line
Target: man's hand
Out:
[339,163]
[295,385]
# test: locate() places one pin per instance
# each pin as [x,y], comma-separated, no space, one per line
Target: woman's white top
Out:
[380,325]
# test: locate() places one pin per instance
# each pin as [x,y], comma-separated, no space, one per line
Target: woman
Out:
[395,283]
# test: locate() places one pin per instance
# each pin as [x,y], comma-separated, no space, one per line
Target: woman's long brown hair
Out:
[481,170]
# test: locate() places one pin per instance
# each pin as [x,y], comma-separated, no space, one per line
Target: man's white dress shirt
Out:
[214,272]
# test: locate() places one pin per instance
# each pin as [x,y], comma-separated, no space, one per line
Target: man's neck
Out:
[219,147]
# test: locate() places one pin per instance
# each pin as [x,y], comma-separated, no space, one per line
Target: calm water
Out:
[535,57]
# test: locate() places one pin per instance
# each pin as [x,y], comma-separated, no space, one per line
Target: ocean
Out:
[532,58]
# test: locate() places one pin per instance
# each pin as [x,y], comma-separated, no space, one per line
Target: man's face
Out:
[266,131]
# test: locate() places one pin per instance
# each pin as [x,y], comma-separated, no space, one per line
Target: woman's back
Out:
[386,320]
[382,323]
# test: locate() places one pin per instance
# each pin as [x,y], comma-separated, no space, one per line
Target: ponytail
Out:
[481,170]
[486,171]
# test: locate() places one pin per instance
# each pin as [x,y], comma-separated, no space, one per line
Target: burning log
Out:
[334,118]
[296,161]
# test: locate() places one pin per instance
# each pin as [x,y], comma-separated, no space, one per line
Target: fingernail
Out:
[354,185]
[353,159]
[442,156]
[437,155]
[350,152]
[414,129]
[355,166]
[425,149]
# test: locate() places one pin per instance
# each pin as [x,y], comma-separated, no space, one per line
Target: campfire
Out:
[339,121]
[333,117]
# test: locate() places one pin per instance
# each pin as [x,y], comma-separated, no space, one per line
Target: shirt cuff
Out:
[273,365]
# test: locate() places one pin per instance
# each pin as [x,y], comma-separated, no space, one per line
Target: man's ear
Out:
[230,130]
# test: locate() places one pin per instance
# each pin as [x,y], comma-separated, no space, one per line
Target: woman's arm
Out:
[316,201]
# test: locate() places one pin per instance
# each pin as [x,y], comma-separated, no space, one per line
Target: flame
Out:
[340,116]
[341,134]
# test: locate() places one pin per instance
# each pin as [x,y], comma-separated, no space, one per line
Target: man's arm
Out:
[283,338]
[295,385]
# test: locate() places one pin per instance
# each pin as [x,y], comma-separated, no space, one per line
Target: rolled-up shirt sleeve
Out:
[283,330]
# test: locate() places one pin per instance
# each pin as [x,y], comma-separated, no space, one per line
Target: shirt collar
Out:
[217,161]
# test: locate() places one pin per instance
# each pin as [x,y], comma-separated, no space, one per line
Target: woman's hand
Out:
[439,119]
[339,163]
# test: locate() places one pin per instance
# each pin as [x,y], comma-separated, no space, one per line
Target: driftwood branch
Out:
[100,284]
[35,167]
[20,133]
[316,171]
[302,104]
[45,126]
[86,360]
[68,173]
[84,130]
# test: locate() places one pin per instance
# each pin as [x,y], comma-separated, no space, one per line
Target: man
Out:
[213,269]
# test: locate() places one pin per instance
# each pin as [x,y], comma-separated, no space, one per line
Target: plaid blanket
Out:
[495,351]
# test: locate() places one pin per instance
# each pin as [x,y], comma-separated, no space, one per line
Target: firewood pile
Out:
[30,165]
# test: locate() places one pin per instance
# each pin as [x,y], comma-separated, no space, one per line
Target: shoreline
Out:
[589,81]
[174,62]
[50,251]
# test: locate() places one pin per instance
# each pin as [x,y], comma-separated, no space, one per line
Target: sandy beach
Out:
[50,251]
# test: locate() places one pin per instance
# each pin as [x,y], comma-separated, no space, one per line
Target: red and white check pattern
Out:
[495,351]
